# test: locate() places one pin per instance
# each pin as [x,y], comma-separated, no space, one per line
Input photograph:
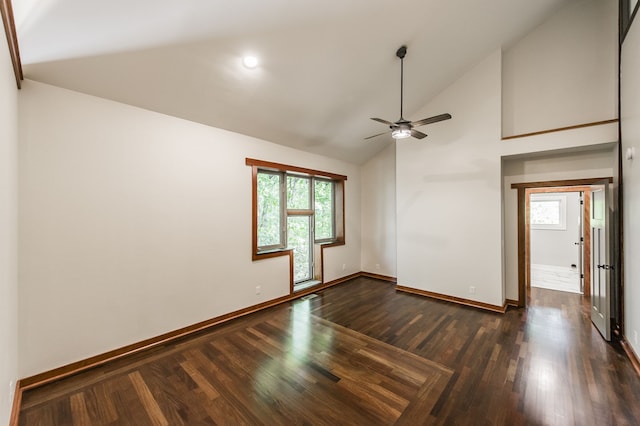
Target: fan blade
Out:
[430,120]
[379,134]
[418,135]
[380,120]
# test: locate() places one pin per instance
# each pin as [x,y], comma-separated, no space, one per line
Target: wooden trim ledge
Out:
[560,129]
[12,39]
[459,300]
[562,183]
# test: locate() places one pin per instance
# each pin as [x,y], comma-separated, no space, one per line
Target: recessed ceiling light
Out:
[250,61]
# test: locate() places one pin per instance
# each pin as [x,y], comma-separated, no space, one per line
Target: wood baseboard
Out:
[633,356]
[379,277]
[17,402]
[97,360]
[459,300]
[94,361]
[511,302]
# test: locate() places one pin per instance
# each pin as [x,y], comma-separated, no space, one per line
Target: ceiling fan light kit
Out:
[402,128]
[400,133]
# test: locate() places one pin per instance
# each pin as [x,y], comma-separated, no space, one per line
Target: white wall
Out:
[630,119]
[134,224]
[449,192]
[591,163]
[556,247]
[564,72]
[379,213]
[8,233]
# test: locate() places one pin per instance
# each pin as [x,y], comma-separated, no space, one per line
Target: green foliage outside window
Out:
[269,211]
[297,213]
[298,239]
[298,196]
[323,209]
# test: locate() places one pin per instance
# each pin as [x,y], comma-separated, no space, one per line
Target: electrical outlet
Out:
[472,290]
[635,338]
[258,289]
[344,266]
[378,266]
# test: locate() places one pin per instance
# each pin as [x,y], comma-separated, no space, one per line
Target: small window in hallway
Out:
[548,211]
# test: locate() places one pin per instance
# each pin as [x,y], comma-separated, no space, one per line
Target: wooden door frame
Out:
[586,231]
[524,189]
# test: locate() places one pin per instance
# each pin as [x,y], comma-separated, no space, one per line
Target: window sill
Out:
[263,254]
[266,254]
[338,242]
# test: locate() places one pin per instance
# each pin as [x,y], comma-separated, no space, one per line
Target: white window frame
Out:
[562,211]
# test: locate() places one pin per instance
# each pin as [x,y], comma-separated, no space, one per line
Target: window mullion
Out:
[312,196]
[283,209]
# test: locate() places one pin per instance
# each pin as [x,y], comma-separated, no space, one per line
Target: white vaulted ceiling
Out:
[325,66]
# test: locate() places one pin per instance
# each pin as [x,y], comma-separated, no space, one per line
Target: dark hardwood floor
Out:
[362,353]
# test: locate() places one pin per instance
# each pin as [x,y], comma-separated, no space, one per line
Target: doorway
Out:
[597,250]
[524,261]
[556,238]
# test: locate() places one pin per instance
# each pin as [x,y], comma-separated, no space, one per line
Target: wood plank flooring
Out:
[363,354]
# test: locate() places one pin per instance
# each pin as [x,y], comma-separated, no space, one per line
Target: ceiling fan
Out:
[404,128]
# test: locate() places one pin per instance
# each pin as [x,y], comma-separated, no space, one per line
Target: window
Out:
[270,218]
[271,214]
[548,211]
[298,192]
[293,210]
[324,207]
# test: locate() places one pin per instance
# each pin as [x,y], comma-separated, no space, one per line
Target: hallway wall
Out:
[630,128]
[8,233]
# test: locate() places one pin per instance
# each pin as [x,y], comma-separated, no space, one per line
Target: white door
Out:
[580,242]
[600,260]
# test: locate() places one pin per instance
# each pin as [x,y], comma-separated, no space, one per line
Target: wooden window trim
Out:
[287,168]
[339,196]
[333,208]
